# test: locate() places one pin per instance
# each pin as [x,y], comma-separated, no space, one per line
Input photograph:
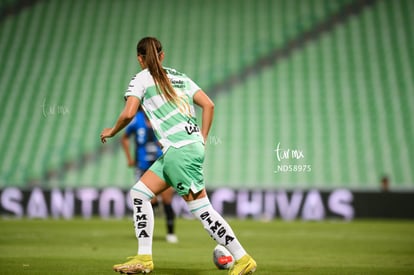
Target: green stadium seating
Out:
[345,99]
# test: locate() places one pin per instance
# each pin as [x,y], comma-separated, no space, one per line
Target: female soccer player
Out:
[167,97]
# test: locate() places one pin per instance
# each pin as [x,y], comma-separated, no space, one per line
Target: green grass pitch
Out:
[93,246]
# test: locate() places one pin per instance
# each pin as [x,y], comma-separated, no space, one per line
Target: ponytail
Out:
[150,49]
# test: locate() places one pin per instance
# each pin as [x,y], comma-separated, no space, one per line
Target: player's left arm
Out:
[201,99]
[127,114]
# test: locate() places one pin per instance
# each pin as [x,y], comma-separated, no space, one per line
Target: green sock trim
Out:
[142,192]
[193,210]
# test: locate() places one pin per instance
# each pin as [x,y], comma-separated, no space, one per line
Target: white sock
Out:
[216,226]
[143,217]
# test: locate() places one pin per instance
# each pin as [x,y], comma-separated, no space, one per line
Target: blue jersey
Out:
[147,149]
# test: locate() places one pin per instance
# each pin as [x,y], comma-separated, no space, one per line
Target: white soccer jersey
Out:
[172,127]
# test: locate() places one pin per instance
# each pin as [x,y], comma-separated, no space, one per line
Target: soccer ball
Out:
[222,258]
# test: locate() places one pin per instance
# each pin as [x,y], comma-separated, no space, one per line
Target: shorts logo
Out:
[191,127]
[180,186]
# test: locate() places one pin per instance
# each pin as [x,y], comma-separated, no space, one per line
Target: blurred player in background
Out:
[146,153]
[168,98]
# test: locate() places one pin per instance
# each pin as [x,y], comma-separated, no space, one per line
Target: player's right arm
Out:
[127,114]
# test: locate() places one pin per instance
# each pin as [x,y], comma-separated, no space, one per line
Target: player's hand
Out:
[106,133]
[204,141]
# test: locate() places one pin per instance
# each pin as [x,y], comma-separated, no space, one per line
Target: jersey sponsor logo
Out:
[191,127]
[179,84]
[173,72]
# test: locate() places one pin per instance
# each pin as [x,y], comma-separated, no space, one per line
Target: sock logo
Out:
[216,228]
[140,219]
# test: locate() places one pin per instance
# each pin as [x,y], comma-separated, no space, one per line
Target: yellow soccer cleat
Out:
[136,264]
[245,265]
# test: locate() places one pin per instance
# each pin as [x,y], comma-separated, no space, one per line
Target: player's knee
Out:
[141,192]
